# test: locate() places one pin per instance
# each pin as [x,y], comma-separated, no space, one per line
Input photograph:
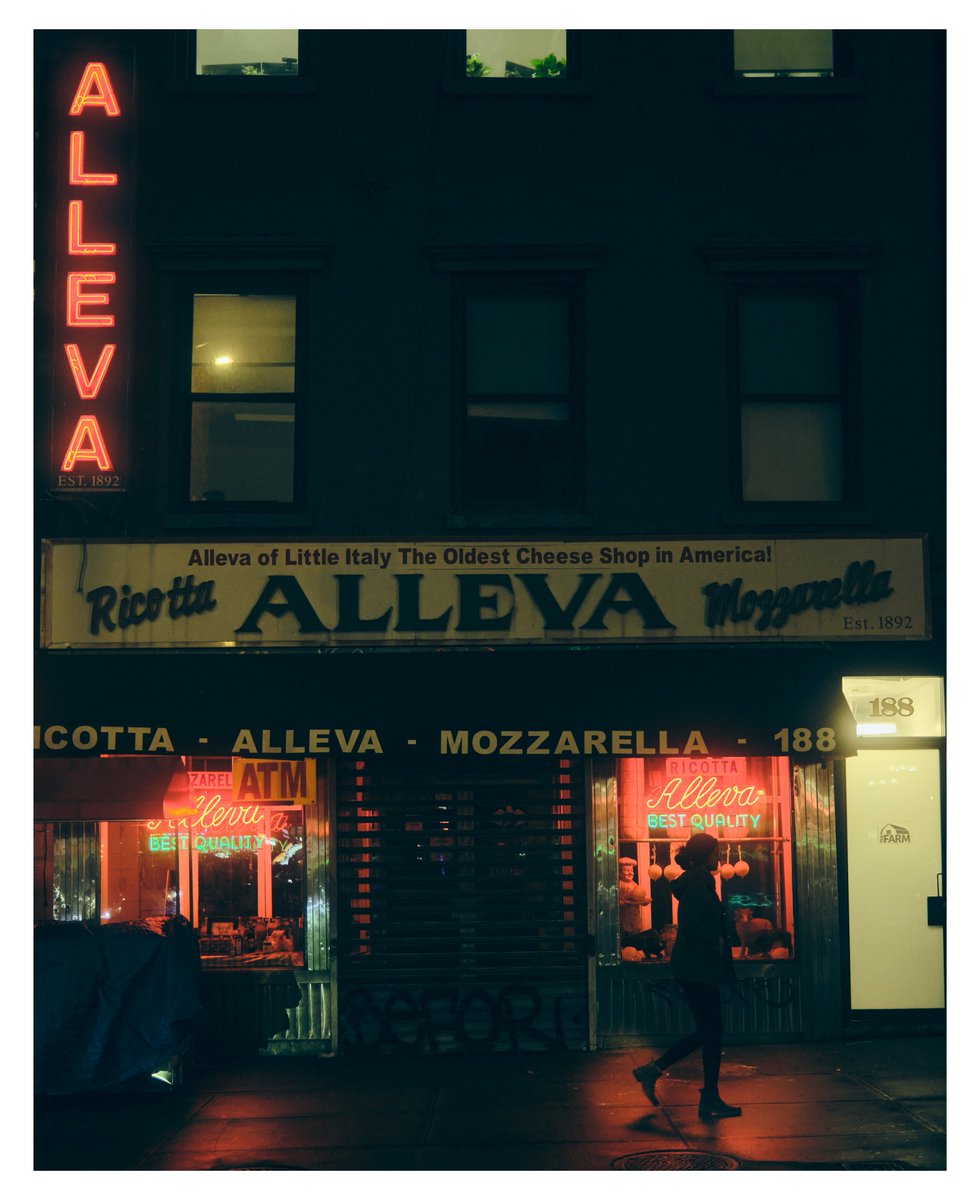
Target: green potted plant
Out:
[549,67]
[475,67]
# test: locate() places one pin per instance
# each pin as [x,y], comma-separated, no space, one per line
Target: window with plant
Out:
[247,52]
[516,54]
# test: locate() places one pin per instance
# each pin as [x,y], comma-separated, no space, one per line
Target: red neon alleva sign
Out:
[90,372]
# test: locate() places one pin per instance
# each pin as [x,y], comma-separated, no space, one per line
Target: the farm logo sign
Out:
[894,835]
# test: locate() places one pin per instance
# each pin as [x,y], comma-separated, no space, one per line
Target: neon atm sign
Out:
[91,317]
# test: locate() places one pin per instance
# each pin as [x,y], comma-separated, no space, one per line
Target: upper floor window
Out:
[516,53]
[793,382]
[794,53]
[243,397]
[518,411]
[239,52]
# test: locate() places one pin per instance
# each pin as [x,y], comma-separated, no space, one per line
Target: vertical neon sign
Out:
[90,309]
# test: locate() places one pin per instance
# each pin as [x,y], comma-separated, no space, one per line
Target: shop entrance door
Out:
[894,864]
[462,905]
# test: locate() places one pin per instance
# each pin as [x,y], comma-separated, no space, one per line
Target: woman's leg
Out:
[705,1002]
[647,1076]
[680,1049]
[698,1000]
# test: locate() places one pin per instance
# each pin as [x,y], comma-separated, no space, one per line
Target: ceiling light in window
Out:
[875,728]
[223,360]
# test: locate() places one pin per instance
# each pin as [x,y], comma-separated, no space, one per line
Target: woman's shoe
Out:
[712,1105]
[647,1078]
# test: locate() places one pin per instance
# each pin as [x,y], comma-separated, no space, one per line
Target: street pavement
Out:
[854,1105]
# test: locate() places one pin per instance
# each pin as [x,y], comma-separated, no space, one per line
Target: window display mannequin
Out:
[632,900]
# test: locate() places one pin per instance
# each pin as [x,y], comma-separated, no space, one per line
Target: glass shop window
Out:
[240,52]
[236,872]
[243,399]
[788,53]
[98,871]
[66,871]
[515,53]
[743,802]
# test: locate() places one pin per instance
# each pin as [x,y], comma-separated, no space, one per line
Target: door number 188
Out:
[804,739]
[889,706]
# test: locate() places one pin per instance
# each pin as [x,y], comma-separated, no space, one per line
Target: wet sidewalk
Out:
[868,1105]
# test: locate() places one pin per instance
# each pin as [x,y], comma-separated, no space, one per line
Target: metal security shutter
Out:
[462,904]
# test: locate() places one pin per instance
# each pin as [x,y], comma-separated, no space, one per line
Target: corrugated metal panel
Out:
[818,912]
[75,871]
[649,1008]
[766,1001]
[606,866]
[278,1011]
[317,884]
[309,1022]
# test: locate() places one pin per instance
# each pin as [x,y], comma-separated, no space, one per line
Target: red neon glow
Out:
[77,175]
[706,783]
[87,445]
[95,91]
[88,385]
[76,242]
[212,813]
[77,298]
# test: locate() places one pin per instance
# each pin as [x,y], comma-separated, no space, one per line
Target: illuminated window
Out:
[518,406]
[66,871]
[743,802]
[244,52]
[243,398]
[903,706]
[793,53]
[97,871]
[516,53]
[236,872]
[791,378]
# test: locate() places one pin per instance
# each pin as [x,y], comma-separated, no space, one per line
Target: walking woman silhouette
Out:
[702,961]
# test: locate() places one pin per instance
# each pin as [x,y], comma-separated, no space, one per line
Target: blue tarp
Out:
[112,1003]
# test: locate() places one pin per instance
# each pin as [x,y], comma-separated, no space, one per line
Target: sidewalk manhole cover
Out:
[675,1160]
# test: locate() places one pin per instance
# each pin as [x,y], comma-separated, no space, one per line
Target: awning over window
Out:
[106,789]
[739,702]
